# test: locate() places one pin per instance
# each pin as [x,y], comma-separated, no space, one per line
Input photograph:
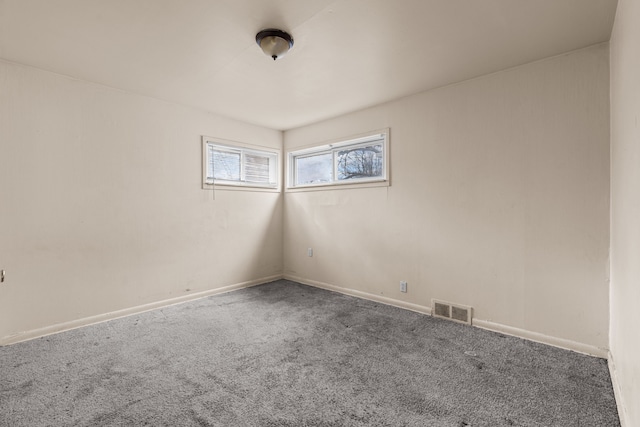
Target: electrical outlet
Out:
[403,286]
[310,252]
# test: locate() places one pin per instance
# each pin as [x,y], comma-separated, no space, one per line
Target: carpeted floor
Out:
[284,354]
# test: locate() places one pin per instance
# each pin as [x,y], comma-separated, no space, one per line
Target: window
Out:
[231,164]
[358,160]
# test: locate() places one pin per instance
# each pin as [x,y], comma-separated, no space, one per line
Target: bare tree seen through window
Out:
[360,162]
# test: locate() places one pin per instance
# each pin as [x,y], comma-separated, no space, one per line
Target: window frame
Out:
[243,149]
[362,140]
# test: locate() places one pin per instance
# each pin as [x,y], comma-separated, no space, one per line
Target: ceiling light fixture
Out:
[274,43]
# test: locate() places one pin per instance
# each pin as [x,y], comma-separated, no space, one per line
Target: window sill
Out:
[231,187]
[334,186]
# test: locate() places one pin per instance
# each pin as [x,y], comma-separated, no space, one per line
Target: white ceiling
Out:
[348,54]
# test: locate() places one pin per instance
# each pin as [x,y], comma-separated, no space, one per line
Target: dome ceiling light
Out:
[274,43]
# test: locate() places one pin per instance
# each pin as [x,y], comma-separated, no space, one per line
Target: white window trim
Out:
[332,146]
[234,146]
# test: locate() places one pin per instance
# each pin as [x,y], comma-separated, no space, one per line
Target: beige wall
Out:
[101,206]
[499,200]
[625,208]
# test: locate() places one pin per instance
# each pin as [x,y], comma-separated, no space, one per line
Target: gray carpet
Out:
[284,354]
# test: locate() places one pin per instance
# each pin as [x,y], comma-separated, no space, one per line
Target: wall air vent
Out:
[456,312]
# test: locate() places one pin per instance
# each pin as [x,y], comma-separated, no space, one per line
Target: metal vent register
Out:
[456,312]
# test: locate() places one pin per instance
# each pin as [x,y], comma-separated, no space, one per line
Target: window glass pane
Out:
[210,151]
[226,165]
[239,166]
[314,169]
[256,168]
[360,162]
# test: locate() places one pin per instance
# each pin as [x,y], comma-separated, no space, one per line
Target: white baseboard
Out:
[73,324]
[587,349]
[496,327]
[364,295]
[617,391]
